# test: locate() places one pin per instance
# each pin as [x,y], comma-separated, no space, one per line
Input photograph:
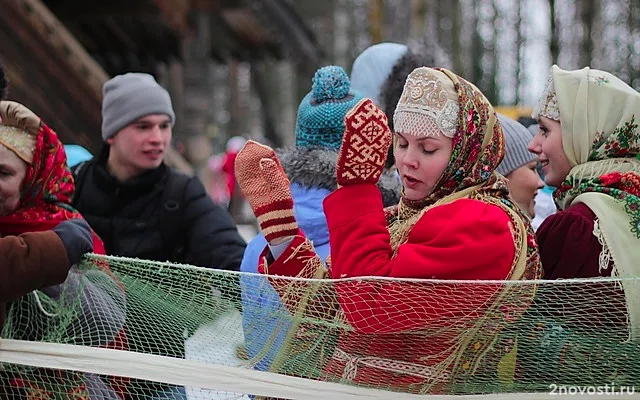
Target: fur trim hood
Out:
[316,167]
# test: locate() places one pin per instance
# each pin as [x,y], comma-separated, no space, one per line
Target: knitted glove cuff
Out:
[277,219]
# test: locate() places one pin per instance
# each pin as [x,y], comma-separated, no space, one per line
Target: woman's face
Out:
[547,145]
[421,161]
[524,183]
[12,172]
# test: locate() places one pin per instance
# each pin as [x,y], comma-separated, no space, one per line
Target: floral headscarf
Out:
[598,113]
[478,149]
[478,144]
[45,201]
[48,185]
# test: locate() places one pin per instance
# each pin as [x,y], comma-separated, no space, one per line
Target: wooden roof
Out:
[50,72]
[58,53]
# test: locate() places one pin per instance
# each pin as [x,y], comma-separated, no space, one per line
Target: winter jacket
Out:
[129,217]
[388,339]
[28,262]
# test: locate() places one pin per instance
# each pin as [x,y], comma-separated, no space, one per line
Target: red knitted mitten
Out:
[266,187]
[364,146]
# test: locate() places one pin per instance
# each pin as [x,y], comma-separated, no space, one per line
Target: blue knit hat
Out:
[321,113]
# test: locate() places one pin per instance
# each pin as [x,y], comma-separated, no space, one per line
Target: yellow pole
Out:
[375,18]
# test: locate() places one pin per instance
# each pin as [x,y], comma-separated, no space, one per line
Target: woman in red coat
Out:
[35,195]
[455,222]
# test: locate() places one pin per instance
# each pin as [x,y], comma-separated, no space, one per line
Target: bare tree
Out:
[554,43]
[492,89]
[633,29]
[456,37]
[418,15]
[588,11]
[477,45]
[398,20]
[264,79]
[518,51]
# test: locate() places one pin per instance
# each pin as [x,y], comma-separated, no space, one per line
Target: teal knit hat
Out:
[321,112]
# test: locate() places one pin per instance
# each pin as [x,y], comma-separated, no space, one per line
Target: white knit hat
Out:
[372,68]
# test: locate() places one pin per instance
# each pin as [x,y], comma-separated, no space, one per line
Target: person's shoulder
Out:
[188,190]
[78,170]
[466,217]
[576,222]
[173,173]
[470,210]
[187,184]
[578,213]
[579,210]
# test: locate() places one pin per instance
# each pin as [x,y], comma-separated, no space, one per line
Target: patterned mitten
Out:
[365,145]
[266,187]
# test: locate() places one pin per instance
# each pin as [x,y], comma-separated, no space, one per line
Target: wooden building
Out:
[58,53]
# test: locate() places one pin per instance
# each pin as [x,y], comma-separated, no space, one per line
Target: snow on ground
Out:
[217,343]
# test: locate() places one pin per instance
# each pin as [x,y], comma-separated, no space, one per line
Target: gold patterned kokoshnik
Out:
[19,141]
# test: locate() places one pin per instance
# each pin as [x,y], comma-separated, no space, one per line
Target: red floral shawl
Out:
[46,201]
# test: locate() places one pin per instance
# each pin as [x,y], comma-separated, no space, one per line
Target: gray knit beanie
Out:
[516,138]
[125,98]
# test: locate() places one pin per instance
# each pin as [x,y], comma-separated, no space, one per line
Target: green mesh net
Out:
[128,329]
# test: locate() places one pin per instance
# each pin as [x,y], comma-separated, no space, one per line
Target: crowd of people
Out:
[401,170]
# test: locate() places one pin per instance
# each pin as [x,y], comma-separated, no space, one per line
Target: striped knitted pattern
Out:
[266,188]
[276,219]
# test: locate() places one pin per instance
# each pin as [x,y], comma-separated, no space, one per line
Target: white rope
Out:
[41,306]
[192,373]
[118,263]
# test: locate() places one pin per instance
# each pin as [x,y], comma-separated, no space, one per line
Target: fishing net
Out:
[149,328]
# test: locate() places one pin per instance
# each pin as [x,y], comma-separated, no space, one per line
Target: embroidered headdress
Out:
[548,102]
[428,105]
[19,129]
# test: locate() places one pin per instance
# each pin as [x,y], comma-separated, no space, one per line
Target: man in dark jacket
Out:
[141,208]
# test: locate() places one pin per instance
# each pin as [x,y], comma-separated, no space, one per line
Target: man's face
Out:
[141,145]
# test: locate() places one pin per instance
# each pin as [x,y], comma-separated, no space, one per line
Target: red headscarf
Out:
[46,196]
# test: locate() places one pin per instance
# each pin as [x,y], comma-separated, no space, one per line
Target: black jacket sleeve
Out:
[212,238]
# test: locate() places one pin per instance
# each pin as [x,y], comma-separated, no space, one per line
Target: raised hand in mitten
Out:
[266,188]
[365,145]
[76,237]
